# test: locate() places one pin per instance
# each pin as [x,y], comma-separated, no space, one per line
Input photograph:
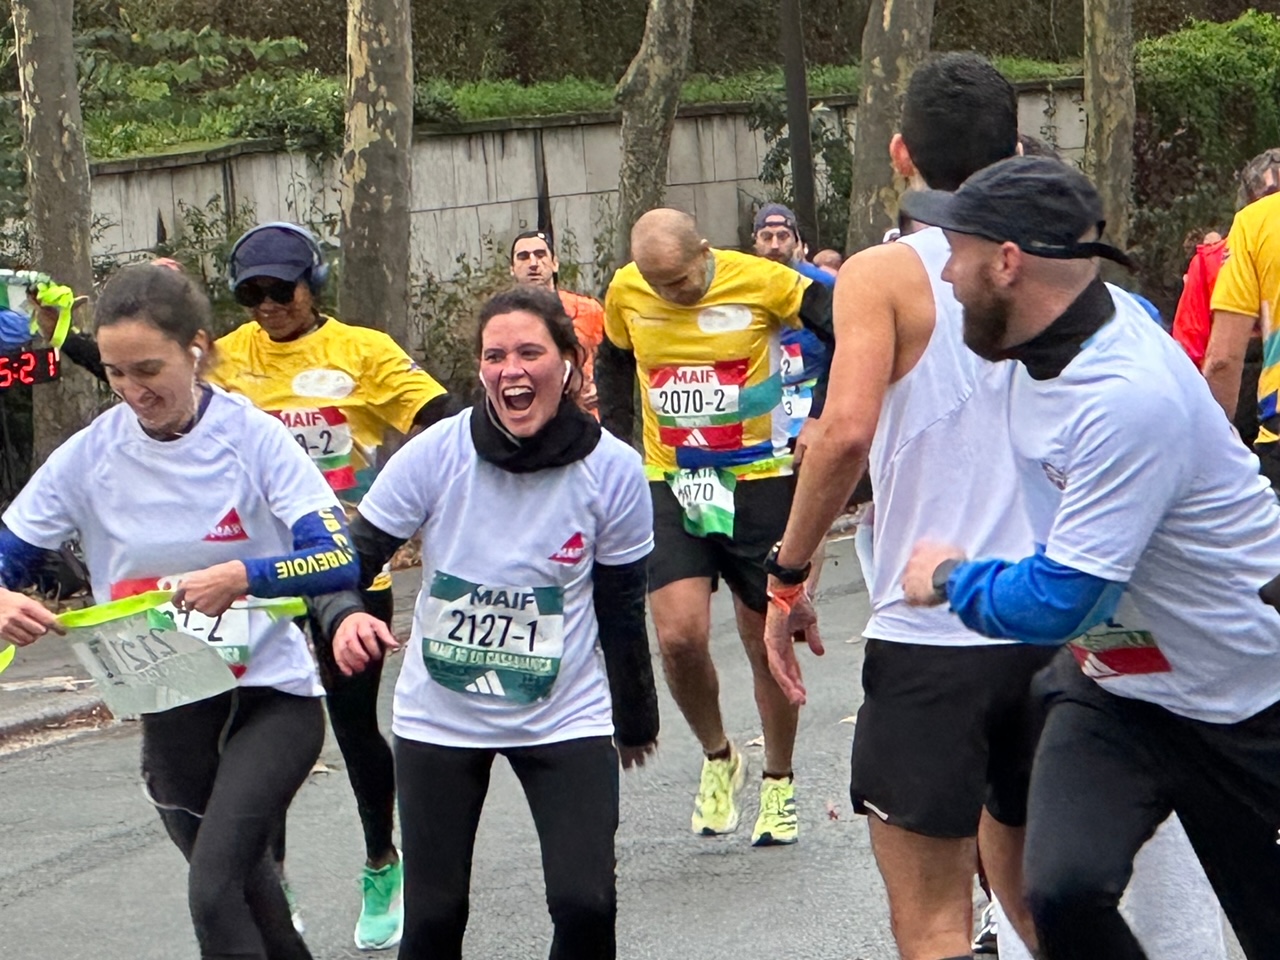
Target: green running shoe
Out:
[295,915]
[381,922]
[777,823]
[715,811]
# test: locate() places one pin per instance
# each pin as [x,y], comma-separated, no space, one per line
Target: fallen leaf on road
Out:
[851,719]
[321,767]
[757,742]
[833,812]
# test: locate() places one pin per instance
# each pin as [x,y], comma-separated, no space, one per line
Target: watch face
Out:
[941,574]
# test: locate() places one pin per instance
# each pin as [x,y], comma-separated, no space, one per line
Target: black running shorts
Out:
[944,731]
[761,508]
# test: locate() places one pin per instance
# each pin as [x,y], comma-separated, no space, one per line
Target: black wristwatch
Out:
[941,574]
[791,576]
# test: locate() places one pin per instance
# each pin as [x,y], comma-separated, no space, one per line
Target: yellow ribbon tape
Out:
[62,297]
[278,608]
[6,657]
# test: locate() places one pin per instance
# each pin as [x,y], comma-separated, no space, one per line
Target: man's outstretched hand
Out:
[786,622]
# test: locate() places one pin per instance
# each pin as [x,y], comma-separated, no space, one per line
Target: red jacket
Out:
[1193,319]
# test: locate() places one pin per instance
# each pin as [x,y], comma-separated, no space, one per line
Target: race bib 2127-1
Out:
[493,641]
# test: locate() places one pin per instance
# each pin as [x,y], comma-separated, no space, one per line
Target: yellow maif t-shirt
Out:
[337,389]
[1249,284]
[709,374]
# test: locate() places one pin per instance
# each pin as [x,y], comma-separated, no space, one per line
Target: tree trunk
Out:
[649,93]
[374,279]
[799,136]
[894,42]
[58,201]
[1109,107]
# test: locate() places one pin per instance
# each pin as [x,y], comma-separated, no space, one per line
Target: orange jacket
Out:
[588,322]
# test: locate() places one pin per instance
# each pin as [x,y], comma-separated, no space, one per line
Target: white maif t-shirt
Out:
[504,649]
[146,510]
[1134,474]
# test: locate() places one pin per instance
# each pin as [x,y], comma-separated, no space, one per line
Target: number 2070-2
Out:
[676,402]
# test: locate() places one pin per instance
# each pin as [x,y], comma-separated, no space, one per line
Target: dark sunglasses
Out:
[253,292]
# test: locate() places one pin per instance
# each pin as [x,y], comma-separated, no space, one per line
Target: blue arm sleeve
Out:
[1035,600]
[19,560]
[322,560]
[15,329]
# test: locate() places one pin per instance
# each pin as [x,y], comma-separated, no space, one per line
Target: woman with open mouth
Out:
[529,635]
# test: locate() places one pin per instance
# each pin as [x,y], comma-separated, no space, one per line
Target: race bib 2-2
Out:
[325,433]
[227,634]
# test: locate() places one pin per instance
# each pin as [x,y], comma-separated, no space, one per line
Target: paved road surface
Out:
[86,871]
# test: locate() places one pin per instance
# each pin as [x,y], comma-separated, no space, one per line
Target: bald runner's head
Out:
[671,255]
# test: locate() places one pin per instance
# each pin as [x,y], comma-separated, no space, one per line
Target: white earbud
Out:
[196,354]
[568,372]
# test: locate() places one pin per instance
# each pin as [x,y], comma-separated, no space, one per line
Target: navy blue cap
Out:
[273,252]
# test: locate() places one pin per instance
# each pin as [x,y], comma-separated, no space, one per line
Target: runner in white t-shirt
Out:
[529,636]
[1155,534]
[183,477]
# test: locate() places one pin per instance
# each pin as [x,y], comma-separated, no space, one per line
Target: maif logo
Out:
[571,552]
[227,529]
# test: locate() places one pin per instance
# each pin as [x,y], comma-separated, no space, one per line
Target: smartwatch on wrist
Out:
[790,576]
[941,574]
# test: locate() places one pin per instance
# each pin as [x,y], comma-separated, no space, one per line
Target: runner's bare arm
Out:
[867,302]
[1224,357]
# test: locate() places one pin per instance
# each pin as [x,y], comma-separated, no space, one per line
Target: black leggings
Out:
[223,772]
[572,789]
[353,712]
[1108,771]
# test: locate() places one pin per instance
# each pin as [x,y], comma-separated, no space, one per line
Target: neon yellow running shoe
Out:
[777,823]
[715,810]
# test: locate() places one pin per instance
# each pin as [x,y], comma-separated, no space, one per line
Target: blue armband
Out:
[1035,600]
[322,560]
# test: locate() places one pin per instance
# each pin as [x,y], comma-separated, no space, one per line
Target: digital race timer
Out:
[25,367]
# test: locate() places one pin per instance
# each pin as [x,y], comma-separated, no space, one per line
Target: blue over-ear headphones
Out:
[316,274]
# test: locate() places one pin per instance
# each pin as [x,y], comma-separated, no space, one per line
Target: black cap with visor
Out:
[1041,204]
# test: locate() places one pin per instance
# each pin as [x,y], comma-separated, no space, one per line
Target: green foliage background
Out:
[529,40]
[1208,94]
[1208,101]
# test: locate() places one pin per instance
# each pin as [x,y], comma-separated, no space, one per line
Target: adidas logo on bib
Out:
[487,683]
[571,552]
[227,529]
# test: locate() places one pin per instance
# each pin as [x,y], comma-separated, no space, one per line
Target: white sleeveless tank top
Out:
[942,467]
